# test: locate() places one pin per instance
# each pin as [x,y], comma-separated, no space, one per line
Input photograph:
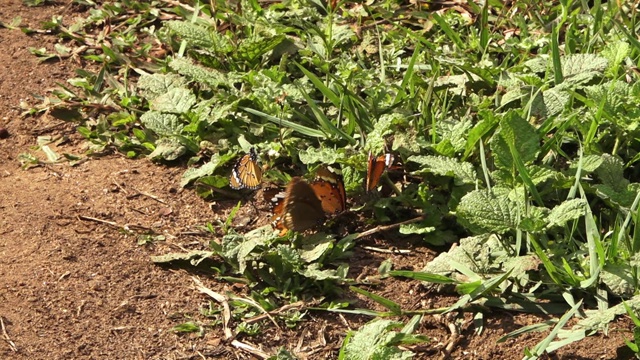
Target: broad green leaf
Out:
[324,155]
[254,48]
[238,248]
[541,174]
[615,53]
[209,76]
[623,198]
[462,172]
[484,210]
[569,210]
[610,173]
[376,138]
[580,68]
[169,148]
[483,127]
[550,102]
[315,271]
[176,101]
[517,132]
[589,163]
[373,341]
[455,131]
[161,123]
[205,170]
[154,85]
[316,246]
[196,35]
[474,253]
[619,279]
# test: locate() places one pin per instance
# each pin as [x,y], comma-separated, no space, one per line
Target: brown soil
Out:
[75,288]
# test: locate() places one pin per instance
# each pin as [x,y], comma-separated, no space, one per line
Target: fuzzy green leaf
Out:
[205,170]
[567,211]
[237,248]
[516,132]
[474,253]
[611,174]
[323,155]
[619,279]
[590,163]
[540,174]
[161,123]
[483,210]
[455,132]
[196,35]
[580,68]
[152,86]
[550,102]
[315,246]
[616,53]
[168,148]
[176,101]
[194,257]
[316,272]
[373,341]
[208,76]
[252,49]
[462,172]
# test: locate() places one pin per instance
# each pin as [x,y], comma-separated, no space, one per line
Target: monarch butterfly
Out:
[375,168]
[246,173]
[304,205]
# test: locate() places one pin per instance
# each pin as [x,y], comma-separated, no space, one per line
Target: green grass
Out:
[521,123]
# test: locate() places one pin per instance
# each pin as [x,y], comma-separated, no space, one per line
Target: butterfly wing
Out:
[277,208]
[246,173]
[329,189]
[375,168]
[302,208]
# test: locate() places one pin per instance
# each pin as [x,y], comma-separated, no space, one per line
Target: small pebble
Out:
[3,133]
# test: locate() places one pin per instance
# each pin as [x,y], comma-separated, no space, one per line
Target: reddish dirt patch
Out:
[74,288]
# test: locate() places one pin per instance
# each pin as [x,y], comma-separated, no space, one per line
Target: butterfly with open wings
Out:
[304,205]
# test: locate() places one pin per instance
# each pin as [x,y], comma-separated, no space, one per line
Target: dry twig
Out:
[387,227]
[6,337]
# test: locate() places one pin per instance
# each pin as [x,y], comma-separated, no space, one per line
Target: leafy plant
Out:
[517,138]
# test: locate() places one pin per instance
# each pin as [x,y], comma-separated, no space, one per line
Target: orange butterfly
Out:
[329,188]
[299,209]
[375,168]
[304,205]
[246,173]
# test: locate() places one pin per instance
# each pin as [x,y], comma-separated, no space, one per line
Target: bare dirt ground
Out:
[82,289]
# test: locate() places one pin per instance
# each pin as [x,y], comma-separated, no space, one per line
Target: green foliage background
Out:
[517,126]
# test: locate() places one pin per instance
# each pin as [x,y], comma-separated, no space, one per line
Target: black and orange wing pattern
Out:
[246,173]
[375,168]
[329,189]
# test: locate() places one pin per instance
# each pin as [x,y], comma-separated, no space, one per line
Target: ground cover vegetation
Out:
[514,128]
